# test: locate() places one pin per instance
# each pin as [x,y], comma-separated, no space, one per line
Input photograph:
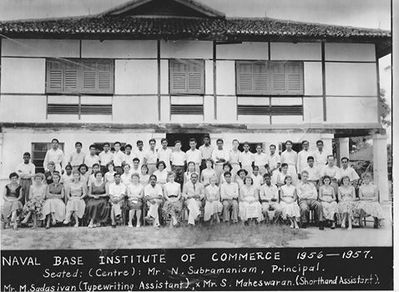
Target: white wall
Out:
[298,51]
[40,48]
[352,109]
[349,52]
[135,109]
[243,51]
[119,49]
[23,108]
[136,77]
[187,49]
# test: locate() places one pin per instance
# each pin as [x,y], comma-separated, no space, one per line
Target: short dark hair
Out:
[106,144]
[128,146]
[26,154]
[117,142]
[266,175]
[68,166]
[83,165]
[177,141]
[319,141]
[219,140]
[284,164]
[117,173]
[153,176]
[193,140]
[164,139]
[152,140]
[288,141]
[228,164]
[139,142]
[55,139]
[345,158]
[207,136]
[310,158]
[136,159]
[227,173]
[95,164]
[78,143]
[98,172]
[13,174]
[272,145]
[305,141]
[93,146]
[161,162]
[245,143]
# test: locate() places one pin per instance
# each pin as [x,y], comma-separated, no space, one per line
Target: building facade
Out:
[152,69]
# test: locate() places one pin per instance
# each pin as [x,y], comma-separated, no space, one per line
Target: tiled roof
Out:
[221,29]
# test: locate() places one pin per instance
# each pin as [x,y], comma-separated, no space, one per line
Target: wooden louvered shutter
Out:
[294,77]
[89,73]
[261,78]
[97,76]
[71,79]
[253,78]
[187,77]
[244,78]
[278,78]
[178,77]
[195,77]
[55,77]
[105,76]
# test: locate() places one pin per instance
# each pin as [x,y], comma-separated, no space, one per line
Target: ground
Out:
[222,236]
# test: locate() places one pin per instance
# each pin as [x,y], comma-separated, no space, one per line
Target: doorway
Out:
[185,139]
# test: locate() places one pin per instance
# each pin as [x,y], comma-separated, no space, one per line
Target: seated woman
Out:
[109,175]
[161,173]
[97,205]
[135,193]
[288,202]
[126,176]
[12,205]
[84,174]
[346,202]
[213,206]
[75,191]
[207,172]
[172,207]
[328,200]
[144,176]
[282,174]
[226,168]
[54,207]
[240,177]
[368,204]
[249,208]
[37,193]
[268,196]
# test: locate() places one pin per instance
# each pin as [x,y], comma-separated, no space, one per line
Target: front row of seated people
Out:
[246,199]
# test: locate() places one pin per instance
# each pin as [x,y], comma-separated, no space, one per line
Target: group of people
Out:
[165,186]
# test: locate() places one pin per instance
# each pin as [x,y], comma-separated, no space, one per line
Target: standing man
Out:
[347,170]
[92,158]
[303,156]
[25,170]
[290,157]
[273,160]
[77,158]
[320,155]
[247,159]
[194,155]
[219,157]
[229,197]
[106,157]
[206,151]
[234,159]
[119,156]
[129,155]
[164,154]
[151,156]
[54,154]
[260,159]
[139,153]
[307,198]
[178,159]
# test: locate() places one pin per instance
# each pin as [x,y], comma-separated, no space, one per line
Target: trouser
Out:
[179,171]
[25,185]
[310,204]
[230,210]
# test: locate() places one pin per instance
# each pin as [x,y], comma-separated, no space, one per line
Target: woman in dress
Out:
[226,168]
[241,175]
[328,200]
[12,205]
[144,176]
[346,202]
[75,191]
[109,175]
[84,174]
[250,208]
[288,202]
[207,172]
[161,173]
[135,194]
[282,174]
[190,170]
[54,207]
[213,206]
[368,204]
[97,205]
[37,193]
[172,207]
[126,176]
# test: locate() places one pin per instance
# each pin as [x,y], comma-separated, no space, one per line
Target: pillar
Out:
[380,165]
[343,149]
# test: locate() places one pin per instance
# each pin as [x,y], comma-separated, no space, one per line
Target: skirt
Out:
[9,208]
[249,210]
[329,209]
[371,209]
[35,205]
[76,205]
[290,210]
[98,209]
[172,208]
[55,206]
[347,207]
[212,208]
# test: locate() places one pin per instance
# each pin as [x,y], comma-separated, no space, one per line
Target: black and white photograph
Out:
[246,130]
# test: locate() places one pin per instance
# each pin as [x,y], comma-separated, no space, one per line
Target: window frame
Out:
[201,91]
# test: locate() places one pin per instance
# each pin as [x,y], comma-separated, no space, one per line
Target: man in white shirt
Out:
[117,193]
[164,154]
[193,193]
[119,156]
[234,158]
[247,159]
[106,156]
[151,156]
[313,171]
[77,158]
[273,160]
[303,155]
[178,159]
[139,153]
[269,198]
[153,195]
[92,158]
[290,157]
[320,155]
[307,200]
[219,157]
[206,151]
[347,170]
[260,159]
[54,154]
[229,197]
[25,171]
[129,155]
[194,155]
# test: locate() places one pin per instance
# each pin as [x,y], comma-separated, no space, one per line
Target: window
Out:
[80,76]
[269,77]
[187,76]
[39,151]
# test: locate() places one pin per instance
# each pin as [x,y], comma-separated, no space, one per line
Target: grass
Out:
[220,235]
